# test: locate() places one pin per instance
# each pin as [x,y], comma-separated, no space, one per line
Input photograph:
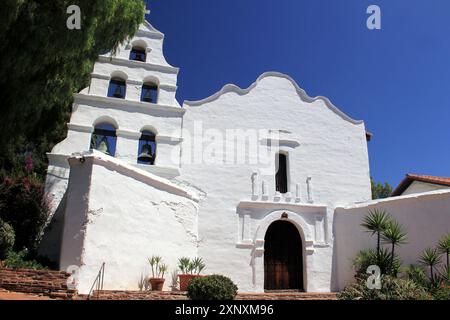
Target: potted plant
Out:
[189,269]
[159,269]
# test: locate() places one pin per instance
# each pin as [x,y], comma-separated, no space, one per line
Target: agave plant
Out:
[376,222]
[430,258]
[444,248]
[394,235]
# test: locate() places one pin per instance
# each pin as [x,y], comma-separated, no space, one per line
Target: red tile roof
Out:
[410,178]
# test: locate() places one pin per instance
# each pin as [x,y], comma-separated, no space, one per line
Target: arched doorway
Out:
[283,257]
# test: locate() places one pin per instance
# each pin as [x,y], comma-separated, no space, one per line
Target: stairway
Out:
[52,284]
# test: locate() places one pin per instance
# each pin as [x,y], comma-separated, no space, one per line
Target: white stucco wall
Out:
[425,217]
[420,187]
[323,144]
[121,216]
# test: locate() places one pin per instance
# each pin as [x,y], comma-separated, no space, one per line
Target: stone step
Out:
[176,295]
[50,283]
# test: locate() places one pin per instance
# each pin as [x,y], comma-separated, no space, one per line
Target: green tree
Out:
[380,191]
[43,63]
[23,207]
[7,238]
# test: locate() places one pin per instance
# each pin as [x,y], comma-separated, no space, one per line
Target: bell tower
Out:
[129,112]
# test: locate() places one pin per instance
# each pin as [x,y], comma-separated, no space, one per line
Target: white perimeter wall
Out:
[425,217]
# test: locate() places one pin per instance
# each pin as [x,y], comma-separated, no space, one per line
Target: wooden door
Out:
[283,265]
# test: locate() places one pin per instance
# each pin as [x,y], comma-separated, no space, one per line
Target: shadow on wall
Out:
[334,283]
[50,245]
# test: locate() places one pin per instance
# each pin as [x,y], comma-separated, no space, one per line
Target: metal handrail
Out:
[98,282]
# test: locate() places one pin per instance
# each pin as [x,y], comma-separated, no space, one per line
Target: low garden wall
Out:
[39,282]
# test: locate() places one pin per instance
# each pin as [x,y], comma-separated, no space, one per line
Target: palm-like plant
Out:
[394,235]
[154,262]
[184,264]
[199,265]
[376,222]
[431,258]
[444,248]
[162,270]
[383,260]
[416,274]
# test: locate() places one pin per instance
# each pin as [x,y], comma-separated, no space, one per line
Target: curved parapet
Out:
[302,94]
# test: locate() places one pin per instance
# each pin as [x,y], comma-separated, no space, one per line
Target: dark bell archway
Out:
[283,257]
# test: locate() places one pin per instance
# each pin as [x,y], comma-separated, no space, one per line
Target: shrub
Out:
[23,206]
[215,287]
[18,260]
[442,293]
[391,289]
[417,275]
[366,258]
[7,238]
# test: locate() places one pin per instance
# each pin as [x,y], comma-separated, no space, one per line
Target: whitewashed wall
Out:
[121,215]
[323,144]
[426,217]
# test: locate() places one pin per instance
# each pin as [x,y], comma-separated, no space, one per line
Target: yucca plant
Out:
[162,270]
[394,235]
[431,258]
[155,262]
[444,248]
[184,264]
[416,274]
[376,222]
[383,260]
[198,265]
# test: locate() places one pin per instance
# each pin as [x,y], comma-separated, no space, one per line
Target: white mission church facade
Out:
[140,175]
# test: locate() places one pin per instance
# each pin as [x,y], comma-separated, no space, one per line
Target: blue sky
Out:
[396,79]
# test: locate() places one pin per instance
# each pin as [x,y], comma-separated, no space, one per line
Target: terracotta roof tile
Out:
[410,178]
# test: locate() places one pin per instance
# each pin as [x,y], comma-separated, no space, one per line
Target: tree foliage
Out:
[380,191]
[43,63]
[24,207]
[7,238]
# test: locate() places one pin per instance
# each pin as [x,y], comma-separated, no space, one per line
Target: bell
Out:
[146,154]
[148,96]
[104,146]
[139,57]
[118,92]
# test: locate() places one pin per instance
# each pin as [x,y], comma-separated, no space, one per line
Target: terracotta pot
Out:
[157,283]
[185,279]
